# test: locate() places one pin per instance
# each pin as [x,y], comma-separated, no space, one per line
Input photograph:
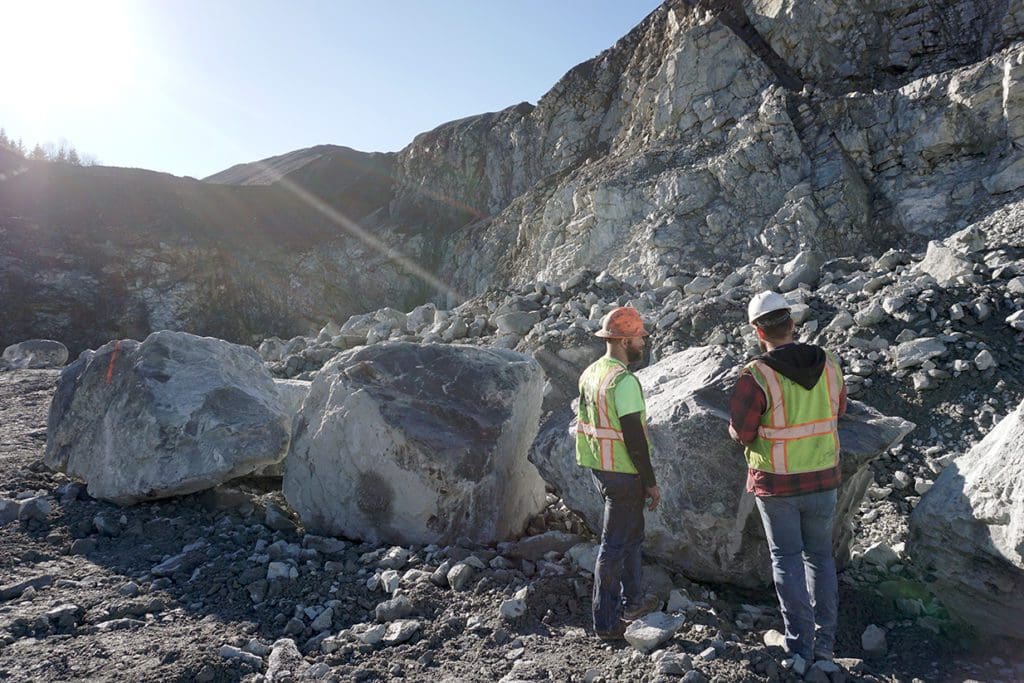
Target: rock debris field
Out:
[229,582]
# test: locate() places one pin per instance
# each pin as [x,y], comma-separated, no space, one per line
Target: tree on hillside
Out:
[37,153]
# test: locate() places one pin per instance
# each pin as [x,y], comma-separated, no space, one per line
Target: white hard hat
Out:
[764,303]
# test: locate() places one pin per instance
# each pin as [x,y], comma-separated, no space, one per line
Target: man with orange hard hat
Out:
[611,440]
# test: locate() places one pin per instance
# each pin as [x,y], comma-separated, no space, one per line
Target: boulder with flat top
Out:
[707,526]
[408,443]
[171,415]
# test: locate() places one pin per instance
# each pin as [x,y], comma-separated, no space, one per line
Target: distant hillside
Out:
[90,254]
[358,182]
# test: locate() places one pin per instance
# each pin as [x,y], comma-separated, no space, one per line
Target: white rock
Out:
[881,554]
[584,555]
[651,630]
[516,606]
[389,581]
[371,635]
[985,360]
[400,631]
[1016,320]
[679,600]
[913,353]
[944,264]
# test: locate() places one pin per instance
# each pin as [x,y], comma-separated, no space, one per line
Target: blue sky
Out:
[191,87]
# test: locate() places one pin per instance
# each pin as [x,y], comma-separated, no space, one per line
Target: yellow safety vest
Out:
[599,441]
[799,430]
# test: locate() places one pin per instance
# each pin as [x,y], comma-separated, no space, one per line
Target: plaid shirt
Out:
[745,409]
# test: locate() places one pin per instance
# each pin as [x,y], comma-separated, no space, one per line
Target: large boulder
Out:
[407,443]
[707,526]
[36,353]
[968,531]
[169,416]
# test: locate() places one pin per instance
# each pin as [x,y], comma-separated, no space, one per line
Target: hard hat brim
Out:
[604,334]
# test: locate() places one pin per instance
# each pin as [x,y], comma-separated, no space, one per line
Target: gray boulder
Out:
[169,416]
[36,353]
[944,264]
[968,531]
[406,443]
[707,527]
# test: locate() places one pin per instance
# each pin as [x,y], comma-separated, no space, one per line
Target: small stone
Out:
[515,607]
[985,360]
[277,519]
[651,630]
[281,570]
[395,558]
[873,641]
[398,607]
[400,631]
[459,576]
[323,621]
[36,508]
[389,581]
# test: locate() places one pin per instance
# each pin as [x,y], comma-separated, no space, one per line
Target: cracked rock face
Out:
[409,443]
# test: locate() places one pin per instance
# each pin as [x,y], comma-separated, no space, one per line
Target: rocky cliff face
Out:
[714,132]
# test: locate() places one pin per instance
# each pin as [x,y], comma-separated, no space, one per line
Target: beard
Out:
[633,355]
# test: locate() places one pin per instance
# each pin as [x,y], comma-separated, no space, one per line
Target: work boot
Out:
[616,633]
[648,604]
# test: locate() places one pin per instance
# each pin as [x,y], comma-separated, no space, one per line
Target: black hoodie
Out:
[802,363]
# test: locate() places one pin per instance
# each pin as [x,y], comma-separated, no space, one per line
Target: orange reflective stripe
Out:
[775,394]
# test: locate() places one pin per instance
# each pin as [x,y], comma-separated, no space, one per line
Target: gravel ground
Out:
[178,590]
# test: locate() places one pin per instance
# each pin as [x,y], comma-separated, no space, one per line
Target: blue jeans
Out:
[618,570]
[799,531]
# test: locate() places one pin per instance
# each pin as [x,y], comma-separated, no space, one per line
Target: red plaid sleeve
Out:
[747,405]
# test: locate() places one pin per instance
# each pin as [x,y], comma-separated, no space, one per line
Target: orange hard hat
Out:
[621,323]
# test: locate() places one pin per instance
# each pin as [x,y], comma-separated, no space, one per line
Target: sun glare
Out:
[58,54]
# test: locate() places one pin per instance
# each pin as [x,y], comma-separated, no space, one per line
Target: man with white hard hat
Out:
[611,440]
[785,411]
